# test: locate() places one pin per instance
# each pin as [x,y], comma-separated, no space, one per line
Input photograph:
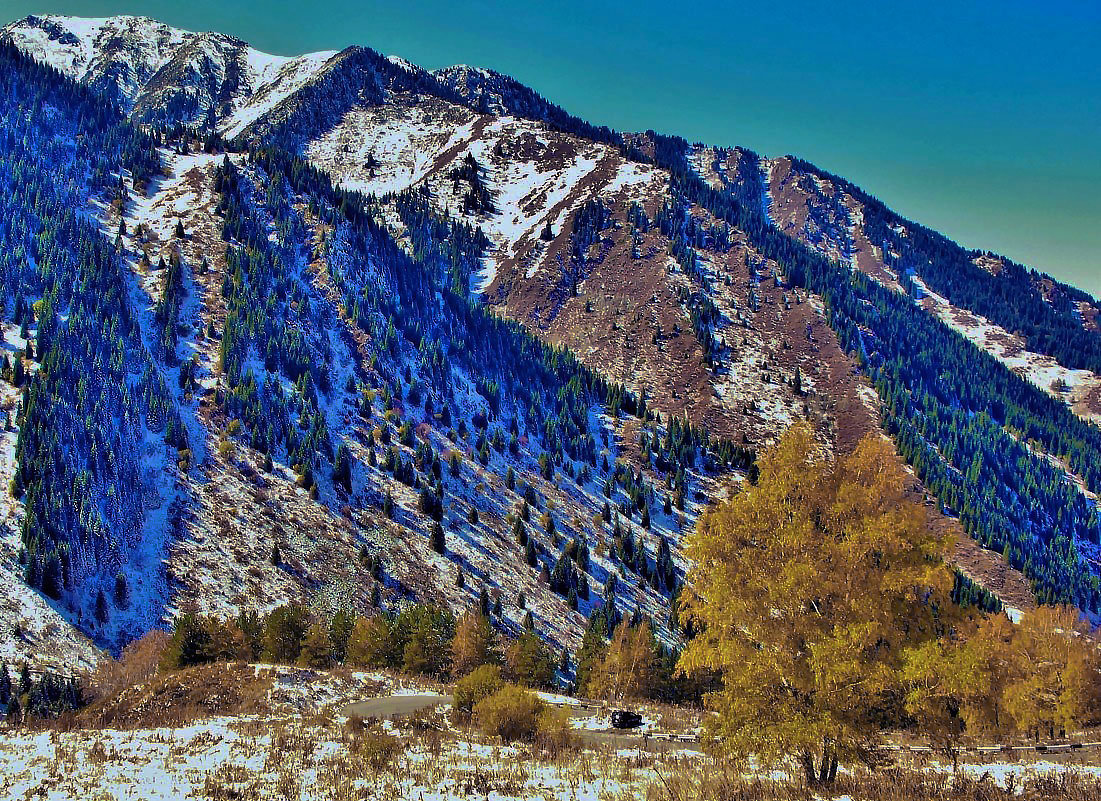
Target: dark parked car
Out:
[623,719]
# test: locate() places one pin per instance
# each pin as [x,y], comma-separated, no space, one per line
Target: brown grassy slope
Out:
[179,697]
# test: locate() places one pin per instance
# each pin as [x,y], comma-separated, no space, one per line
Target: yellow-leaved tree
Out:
[628,671]
[1053,673]
[807,590]
[474,644]
[1041,677]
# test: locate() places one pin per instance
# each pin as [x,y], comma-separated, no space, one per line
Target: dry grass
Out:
[283,742]
[711,781]
[318,758]
[179,697]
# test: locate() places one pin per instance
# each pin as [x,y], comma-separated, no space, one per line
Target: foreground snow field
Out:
[255,757]
[294,743]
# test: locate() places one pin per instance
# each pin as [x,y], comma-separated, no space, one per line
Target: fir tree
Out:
[437,538]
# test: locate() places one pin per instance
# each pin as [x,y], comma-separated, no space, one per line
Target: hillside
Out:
[338,329]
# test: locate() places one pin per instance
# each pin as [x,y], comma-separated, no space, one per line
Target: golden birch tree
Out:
[808,588]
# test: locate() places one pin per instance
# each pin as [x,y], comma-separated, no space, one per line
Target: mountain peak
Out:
[164,75]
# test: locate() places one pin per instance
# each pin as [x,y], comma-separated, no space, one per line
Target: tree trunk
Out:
[827,771]
[808,767]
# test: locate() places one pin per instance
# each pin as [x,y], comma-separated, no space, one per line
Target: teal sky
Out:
[980,119]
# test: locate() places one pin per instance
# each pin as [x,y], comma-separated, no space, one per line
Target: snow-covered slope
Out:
[164,75]
[594,245]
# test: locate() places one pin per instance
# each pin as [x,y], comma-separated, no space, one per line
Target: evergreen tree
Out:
[529,662]
[122,591]
[5,684]
[101,608]
[317,648]
[284,628]
[437,538]
[592,650]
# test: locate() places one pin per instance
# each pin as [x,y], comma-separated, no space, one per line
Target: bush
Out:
[477,685]
[137,662]
[378,750]
[553,731]
[511,713]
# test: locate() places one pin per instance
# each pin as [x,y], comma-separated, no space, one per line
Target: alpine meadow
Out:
[378,432]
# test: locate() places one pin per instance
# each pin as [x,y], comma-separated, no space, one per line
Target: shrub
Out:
[480,683]
[137,662]
[180,697]
[553,731]
[378,750]
[512,713]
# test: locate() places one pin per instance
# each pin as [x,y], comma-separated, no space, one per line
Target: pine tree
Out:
[317,648]
[438,538]
[340,629]
[101,608]
[5,684]
[342,468]
[24,678]
[284,628]
[122,591]
[592,650]
[529,661]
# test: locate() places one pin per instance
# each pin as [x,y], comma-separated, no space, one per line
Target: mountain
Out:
[341,329]
[161,75]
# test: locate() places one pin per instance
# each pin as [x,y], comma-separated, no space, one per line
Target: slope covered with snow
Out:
[163,75]
[360,370]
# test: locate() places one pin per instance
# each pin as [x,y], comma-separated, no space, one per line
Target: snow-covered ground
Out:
[275,78]
[128,53]
[241,758]
[538,176]
[311,758]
